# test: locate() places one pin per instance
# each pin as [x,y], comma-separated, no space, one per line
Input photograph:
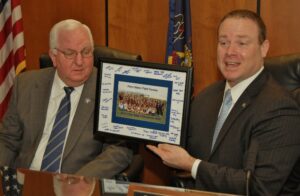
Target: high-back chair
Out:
[286,70]
[134,171]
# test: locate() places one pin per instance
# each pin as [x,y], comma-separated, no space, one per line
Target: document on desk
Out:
[114,187]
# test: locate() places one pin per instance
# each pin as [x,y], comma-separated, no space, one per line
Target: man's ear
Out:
[265,48]
[52,55]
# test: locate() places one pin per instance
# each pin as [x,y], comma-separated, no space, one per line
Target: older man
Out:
[49,122]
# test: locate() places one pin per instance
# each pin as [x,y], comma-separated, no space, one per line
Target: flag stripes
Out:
[12,49]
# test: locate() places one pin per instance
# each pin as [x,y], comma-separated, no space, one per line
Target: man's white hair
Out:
[68,24]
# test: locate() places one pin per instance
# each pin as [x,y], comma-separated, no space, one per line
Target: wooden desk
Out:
[143,190]
[38,183]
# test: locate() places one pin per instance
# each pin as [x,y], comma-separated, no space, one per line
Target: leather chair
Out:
[134,170]
[285,69]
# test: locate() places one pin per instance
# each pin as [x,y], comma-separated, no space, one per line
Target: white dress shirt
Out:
[57,94]
[236,92]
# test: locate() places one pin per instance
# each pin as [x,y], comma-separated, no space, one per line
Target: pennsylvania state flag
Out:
[179,46]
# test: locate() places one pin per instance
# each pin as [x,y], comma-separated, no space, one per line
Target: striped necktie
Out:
[53,153]
[226,105]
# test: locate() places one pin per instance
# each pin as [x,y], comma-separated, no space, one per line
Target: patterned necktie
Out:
[227,102]
[53,153]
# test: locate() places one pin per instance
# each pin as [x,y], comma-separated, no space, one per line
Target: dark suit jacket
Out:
[261,134]
[22,127]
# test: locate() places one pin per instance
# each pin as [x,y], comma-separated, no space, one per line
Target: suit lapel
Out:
[242,103]
[39,102]
[212,114]
[83,113]
[239,107]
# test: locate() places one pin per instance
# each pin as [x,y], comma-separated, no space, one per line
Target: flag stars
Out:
[10,185]
[6,178]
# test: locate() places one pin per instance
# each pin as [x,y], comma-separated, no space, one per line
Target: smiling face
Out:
[239,52]
[76,70]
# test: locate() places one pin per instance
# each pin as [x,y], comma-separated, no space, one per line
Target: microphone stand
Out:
[250,164]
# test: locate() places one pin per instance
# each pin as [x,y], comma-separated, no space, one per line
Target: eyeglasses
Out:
[71,54]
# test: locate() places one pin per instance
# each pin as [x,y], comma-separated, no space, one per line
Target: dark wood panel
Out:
[282,20]
[39,17]
[145,24]
[139,27]
[205,19]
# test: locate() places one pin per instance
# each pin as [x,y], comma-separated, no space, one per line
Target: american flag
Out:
[12,49]
[12,181]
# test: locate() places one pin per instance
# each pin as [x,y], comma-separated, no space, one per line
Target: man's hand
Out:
[174,156]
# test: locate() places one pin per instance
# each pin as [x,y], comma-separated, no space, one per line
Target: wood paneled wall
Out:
[140,26]
[283,25]
[40,16]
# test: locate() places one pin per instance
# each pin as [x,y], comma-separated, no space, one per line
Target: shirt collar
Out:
[58,87]
[239,88]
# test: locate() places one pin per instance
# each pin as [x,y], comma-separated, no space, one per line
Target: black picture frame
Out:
[142,101]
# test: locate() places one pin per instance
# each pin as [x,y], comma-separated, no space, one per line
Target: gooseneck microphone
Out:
[250,163]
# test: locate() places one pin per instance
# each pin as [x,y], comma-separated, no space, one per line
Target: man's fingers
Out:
[154,149]
[150,147]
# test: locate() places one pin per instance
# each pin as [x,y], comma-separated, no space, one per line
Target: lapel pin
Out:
[244,105]
[87,100]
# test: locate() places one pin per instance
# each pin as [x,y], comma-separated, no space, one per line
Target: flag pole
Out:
[258,7]
[106,23]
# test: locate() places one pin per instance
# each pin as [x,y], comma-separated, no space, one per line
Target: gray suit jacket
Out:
[260,134]
[22,127]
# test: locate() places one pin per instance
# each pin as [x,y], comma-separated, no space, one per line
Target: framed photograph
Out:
[143,101]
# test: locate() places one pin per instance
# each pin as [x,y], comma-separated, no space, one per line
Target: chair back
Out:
[286,70]
[99,52]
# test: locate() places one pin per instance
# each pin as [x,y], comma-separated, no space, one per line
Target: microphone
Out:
[250,163]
